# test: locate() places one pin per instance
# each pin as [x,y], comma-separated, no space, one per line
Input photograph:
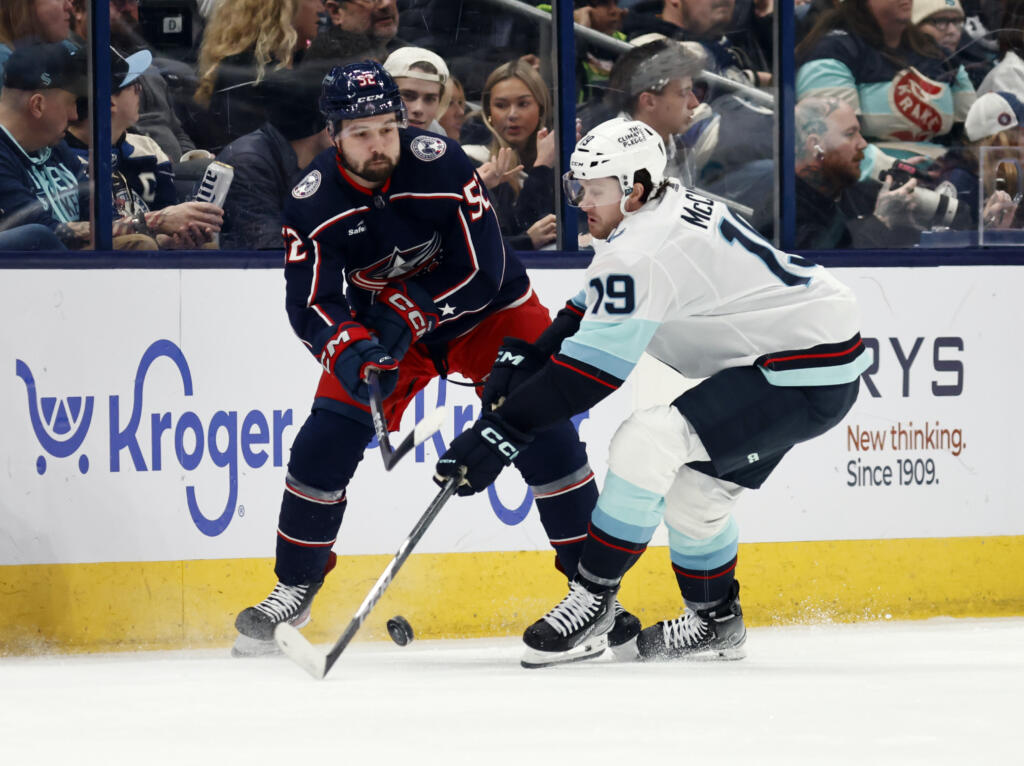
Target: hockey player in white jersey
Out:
[775,338]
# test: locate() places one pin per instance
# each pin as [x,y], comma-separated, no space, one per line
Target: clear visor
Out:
[370,131]
[590,192]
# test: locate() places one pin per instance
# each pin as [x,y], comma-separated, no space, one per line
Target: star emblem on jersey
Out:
[447,310]
[428,148]
[398,264]
[307,186]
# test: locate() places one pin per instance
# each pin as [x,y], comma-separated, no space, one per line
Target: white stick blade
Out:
[300,651]
[430,424]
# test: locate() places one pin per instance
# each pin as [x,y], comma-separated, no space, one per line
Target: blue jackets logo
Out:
[154,441]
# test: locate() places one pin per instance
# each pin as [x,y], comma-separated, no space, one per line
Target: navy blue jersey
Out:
[44,187]
[431,223]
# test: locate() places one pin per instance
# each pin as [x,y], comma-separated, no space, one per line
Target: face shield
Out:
[593,192]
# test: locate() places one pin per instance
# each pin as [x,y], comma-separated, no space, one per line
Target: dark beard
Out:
[376,175]
[836,176]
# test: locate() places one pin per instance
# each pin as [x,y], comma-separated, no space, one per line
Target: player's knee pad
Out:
[650,445]
[699,506]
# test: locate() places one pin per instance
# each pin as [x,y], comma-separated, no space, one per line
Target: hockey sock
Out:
[306,530]
[556,469]
[564,507]
[704,569]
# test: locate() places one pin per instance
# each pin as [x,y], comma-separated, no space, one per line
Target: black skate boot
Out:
[576,629]
[286,603]
[715,633]
[622,636]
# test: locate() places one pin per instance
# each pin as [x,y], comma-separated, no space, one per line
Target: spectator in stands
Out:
[941,20]
[594,63]
[142,180]
[41,21]
[455,115]
[995,120]
[898,80]
[653,83]
[41,180]
[1008,73]
[944,22]
[521,179]
[269,162]
[363,28]
[833,208]
[703,21]
[243,40]
[422,78]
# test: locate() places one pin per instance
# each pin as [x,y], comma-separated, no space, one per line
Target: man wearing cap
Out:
[421,76]
[41,181]
[269,161]
[144,197]
[653,83]
[941,20]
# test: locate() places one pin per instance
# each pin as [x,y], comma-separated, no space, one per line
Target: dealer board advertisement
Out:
[148,414]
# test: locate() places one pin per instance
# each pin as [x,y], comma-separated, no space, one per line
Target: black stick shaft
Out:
[392,569]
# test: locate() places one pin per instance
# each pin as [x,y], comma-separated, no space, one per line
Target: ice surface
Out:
[934,692]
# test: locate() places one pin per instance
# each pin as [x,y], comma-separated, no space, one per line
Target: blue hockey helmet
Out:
[357,90]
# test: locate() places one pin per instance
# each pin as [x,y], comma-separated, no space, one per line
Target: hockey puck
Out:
[400,630]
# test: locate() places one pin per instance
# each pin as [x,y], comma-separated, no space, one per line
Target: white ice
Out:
[936,692]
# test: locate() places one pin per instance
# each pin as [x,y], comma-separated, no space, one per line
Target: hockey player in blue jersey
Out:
[394,262]
[774,338]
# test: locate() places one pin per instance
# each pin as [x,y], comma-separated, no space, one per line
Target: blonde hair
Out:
[18,21]
[529,76]
[264,26]
[996,164]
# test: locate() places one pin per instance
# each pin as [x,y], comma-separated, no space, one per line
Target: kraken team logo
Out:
[398,264]
[307,186]
[428,148]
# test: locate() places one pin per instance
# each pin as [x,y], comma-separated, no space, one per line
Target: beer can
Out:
[215,183]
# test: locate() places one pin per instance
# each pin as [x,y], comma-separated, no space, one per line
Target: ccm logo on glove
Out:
[419,323]
[502,444]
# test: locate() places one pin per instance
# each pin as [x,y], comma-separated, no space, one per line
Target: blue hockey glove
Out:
[402,314]
[517,360]
[483,451]
[353,352]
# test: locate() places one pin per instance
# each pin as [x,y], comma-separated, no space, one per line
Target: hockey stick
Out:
[313,660]
[419,434]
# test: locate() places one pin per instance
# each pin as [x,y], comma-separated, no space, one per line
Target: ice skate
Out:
[286,603]
[716,633]
[622,637]
[576,629]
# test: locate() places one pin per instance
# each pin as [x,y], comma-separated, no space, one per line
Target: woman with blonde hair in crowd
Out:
[242,40]
[39,21]
[518,164]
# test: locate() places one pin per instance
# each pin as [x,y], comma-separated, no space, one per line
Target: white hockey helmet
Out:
[616,149]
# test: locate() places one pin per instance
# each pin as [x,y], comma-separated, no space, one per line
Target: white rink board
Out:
[225,361]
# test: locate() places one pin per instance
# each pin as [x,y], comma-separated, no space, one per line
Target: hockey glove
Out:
[401,315]
[517,360]
[351,353]
[484,450]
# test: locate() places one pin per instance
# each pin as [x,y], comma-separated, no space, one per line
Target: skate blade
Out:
[253,647]
[589,649]
[626,652]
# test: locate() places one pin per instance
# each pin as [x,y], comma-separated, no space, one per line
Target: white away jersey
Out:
[697,288]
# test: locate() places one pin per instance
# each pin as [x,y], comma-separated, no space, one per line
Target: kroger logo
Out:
[62,423]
